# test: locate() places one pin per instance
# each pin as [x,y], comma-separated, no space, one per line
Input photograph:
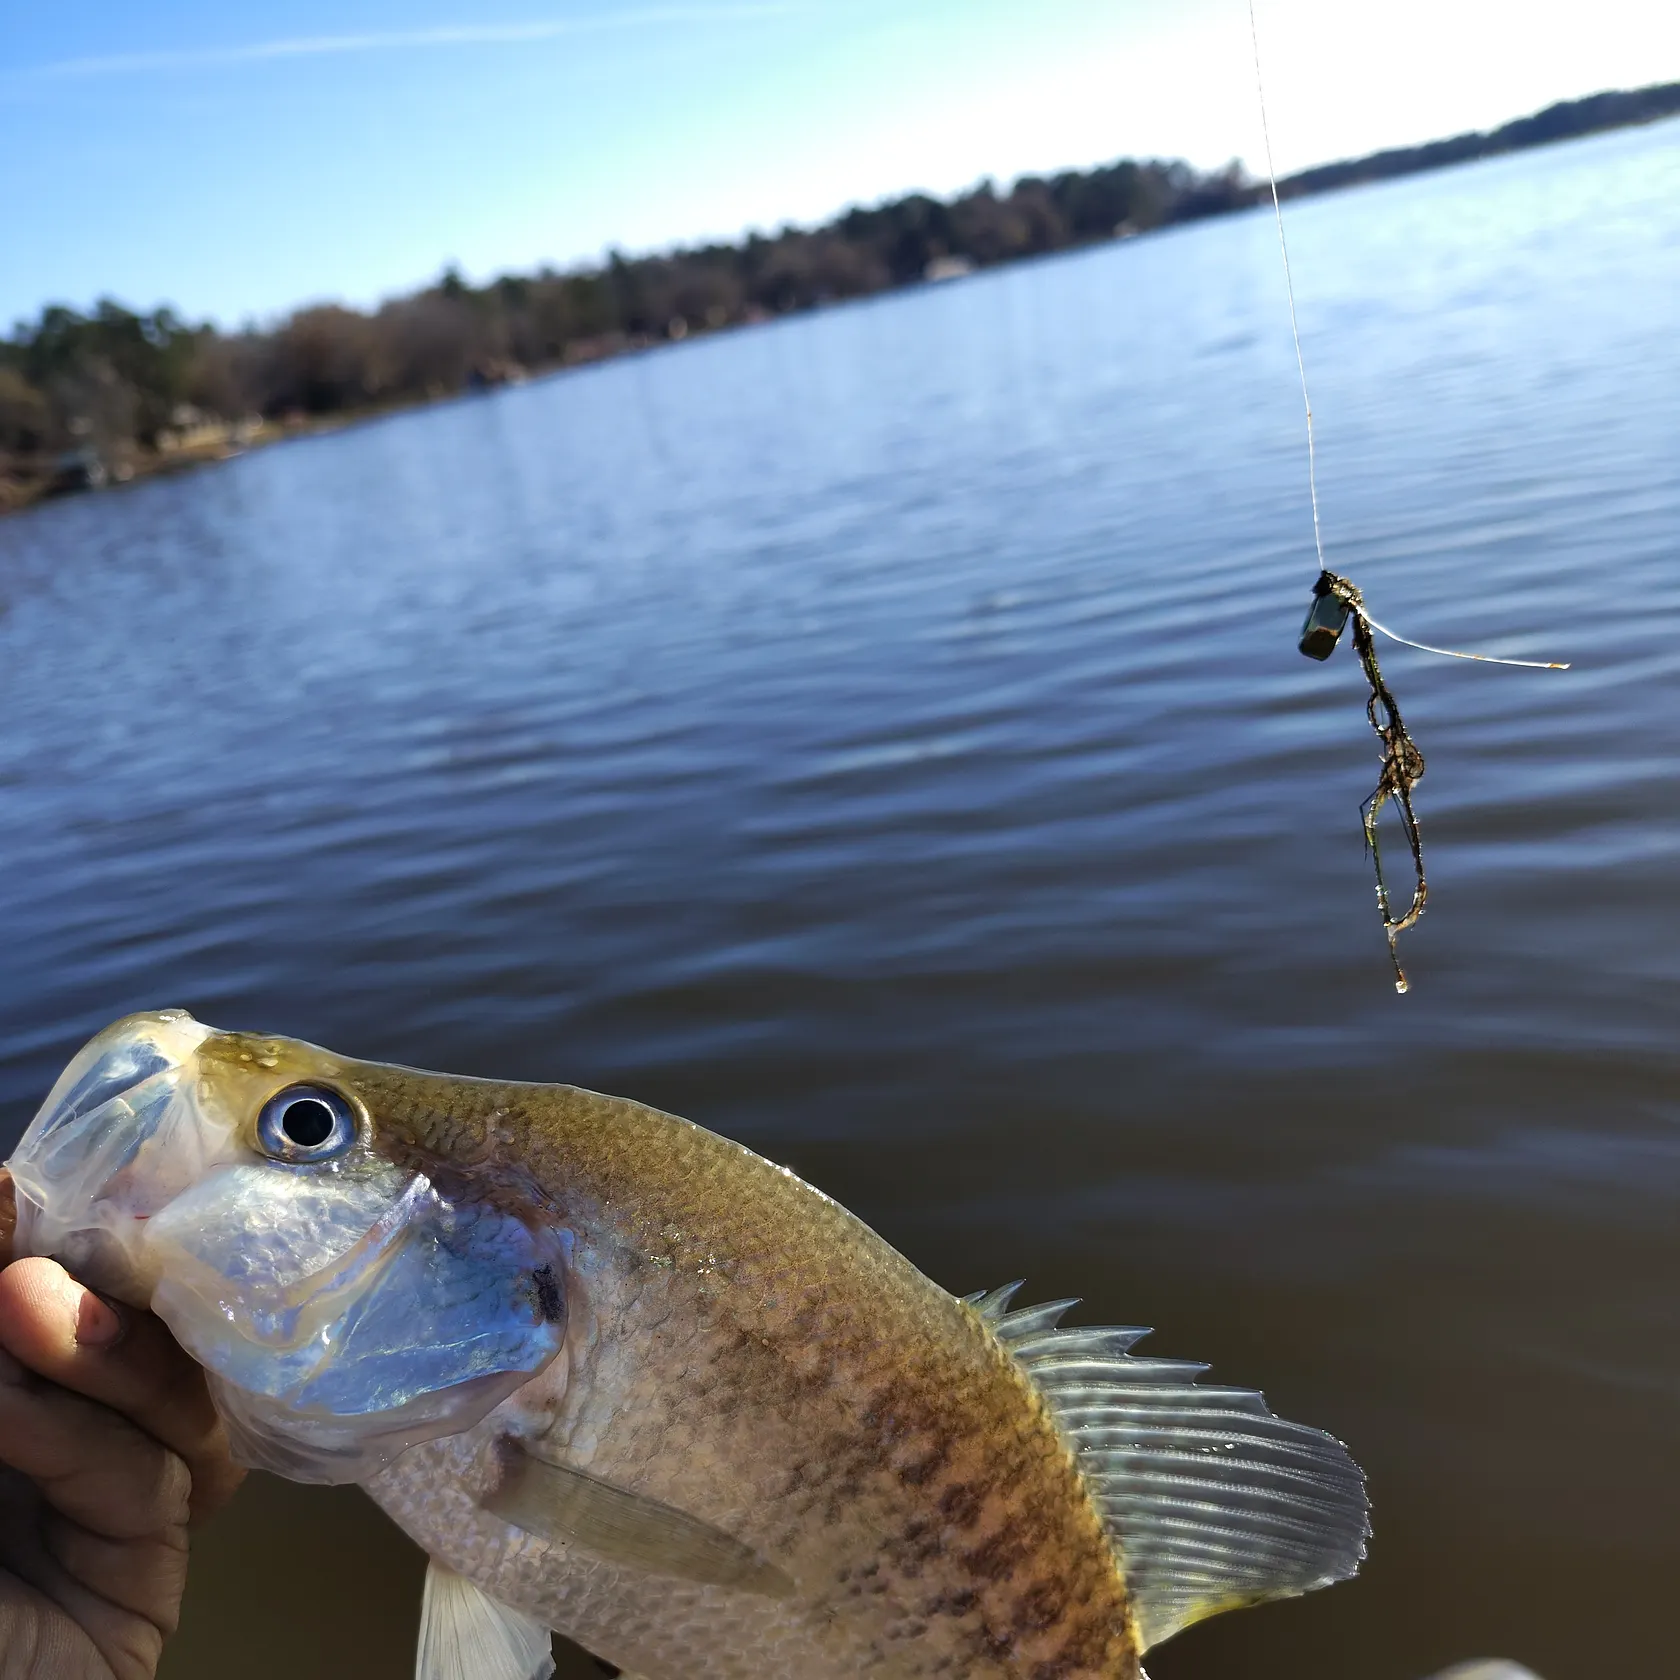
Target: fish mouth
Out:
[343,1310]
[87,1171]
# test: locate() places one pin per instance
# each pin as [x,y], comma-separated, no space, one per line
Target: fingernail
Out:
[98,1323]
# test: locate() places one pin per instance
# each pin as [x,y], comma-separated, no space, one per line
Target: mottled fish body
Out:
[623,1378]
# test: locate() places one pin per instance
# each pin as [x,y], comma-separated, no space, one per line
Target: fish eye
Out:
[306,1123]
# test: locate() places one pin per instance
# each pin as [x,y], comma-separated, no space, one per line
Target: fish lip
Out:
[111,1064]
[98,1116]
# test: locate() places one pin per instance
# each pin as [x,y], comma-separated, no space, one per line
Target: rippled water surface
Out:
[880,736]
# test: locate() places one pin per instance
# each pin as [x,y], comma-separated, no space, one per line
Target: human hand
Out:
[109,1451]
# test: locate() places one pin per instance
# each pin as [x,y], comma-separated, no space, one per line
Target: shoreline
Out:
[199,439]
[214,442]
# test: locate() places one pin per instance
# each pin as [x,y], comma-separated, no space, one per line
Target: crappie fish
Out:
[623,1378]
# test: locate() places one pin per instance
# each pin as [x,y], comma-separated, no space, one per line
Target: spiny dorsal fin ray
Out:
[1211,1501]
[1029,1321]
[992,1304]
[1064,1344]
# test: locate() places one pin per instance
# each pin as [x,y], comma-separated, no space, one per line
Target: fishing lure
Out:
[1335,600]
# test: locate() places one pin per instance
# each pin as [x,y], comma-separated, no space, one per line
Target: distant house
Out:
[948,268]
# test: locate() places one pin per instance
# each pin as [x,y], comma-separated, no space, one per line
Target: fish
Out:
[624,1379]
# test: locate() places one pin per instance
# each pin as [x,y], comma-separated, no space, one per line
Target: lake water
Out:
[879,736]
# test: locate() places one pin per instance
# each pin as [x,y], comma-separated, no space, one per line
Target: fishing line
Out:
[1289,287]
[1451,653]
[1335,600]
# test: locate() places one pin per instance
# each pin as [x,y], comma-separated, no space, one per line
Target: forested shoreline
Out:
[85,398]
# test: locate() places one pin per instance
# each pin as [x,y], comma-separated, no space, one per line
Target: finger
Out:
[122,1596]
[146,1579]
[103,1585]
[129,1645]
[126,1360]
[127,1642]
[89,1464]
[87,1634]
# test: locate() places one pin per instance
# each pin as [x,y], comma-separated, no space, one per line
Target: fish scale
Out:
[773,1365]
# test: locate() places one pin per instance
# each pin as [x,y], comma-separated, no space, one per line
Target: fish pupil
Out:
[307,1122]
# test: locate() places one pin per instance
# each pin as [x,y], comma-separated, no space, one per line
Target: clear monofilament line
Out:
[1289,288]
[1306,397]
[1453,653]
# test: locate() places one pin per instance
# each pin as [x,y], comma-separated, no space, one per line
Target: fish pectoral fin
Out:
[465,1634]
[558,1502]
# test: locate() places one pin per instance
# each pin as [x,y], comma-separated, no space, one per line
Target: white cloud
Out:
[448,35]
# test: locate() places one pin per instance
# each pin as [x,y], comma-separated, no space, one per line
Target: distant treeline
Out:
[87,396]
[114,376]
[1564,121]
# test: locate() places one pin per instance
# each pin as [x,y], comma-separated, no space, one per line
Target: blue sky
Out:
[236,161]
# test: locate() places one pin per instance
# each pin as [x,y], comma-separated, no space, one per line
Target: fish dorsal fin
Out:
[465,1634]
[992,1304]
[1211,1502]
[560,1502]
